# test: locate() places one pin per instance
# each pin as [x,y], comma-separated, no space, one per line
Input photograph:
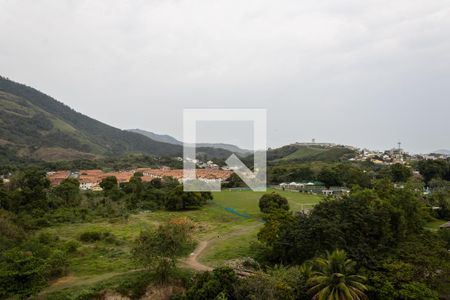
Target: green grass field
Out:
[237,242]
[247,201]
[434,225]
[230,222]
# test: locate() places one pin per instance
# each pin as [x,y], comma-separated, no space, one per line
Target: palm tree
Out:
[334,278]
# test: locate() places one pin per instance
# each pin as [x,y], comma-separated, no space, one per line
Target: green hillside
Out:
[309,153]
[35,125]
[305,153]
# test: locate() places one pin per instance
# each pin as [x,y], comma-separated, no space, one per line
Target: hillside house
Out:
[335,191]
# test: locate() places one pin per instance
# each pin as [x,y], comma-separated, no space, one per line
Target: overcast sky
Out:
[365,73]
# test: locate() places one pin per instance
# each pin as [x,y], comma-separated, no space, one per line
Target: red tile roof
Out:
[57,177]
[96,176]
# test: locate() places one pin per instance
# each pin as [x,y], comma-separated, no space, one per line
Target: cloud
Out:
[366,73]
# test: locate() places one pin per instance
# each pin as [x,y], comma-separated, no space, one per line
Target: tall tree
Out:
[111,188]
[31,190]
[329,177]
[399,173]
[69,191]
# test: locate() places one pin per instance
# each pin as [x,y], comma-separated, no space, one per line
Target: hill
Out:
[442,151]
[34,125]
[157,137]
[310,152]
[169,139]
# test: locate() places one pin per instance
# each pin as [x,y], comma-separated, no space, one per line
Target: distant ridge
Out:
[157,137]
[442,151]
[169,139]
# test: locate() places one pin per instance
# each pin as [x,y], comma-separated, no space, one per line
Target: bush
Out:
[26,268]
[71,246]
[94,236]
[218,284]
[57,264]
[157,250]
[277,283]
[135,285]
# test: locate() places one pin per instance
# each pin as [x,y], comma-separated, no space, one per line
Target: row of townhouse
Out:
[91,179]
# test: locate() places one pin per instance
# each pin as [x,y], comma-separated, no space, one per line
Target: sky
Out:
[364,73]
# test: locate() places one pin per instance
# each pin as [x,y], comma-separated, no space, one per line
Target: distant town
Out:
[91,179]
[210,171]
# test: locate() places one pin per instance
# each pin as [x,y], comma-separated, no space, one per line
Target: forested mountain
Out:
[165,138]
[34,125]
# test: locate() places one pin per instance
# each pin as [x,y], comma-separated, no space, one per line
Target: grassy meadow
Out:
[230,224]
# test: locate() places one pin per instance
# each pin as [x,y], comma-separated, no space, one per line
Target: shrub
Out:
[94,236]
[71,246]
[218,284]
[157,250]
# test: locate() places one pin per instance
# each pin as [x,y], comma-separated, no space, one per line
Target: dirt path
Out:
[73,281]
[192,261]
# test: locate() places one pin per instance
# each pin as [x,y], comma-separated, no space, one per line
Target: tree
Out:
[156,183]
[408,204]
[362,224]
[438,184]
[21,273]
[271,202]
[399,173]
[329,177]
[233,181]
[213,285]
[31,190]
[109,183]
[441,198]
[351,175]
[275,224]
[158,250]
[301,173]
[27,267]
[135,189]
[111,188]
[177,199]
[334,277]
[5,199]
[395,280]
[153,199]
[434,169]
[69,191]
[10,231]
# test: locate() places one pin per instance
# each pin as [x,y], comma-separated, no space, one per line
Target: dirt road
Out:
[192,262]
